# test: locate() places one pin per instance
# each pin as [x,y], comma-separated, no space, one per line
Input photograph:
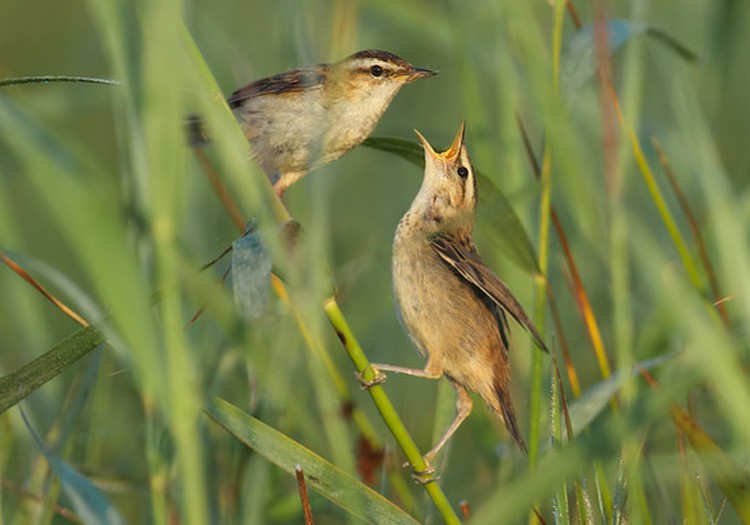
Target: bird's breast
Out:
[285,131]
[440,311]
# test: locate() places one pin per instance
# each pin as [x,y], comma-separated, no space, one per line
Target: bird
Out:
[452,306]
[307,117]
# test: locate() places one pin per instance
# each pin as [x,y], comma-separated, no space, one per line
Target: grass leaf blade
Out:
[329,481]
[20,383]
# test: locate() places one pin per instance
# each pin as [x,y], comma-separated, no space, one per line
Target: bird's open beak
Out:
[426,146]
[451,153]
[455,149]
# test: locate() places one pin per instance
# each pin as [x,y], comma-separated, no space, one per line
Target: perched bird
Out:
[452,306]
[305,118]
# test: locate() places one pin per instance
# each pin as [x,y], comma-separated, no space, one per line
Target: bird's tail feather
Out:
[508,414]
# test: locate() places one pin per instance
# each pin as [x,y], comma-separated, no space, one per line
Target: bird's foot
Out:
[426,475]
[365,384]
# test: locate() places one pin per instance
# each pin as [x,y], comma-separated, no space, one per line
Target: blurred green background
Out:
[98,185]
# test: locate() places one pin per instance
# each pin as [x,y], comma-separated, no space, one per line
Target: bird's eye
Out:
[463,172]
[376,70]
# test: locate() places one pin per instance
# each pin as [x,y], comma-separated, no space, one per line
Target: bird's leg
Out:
[433,370]
[430,372]
[463,409]
[464,405]
[281,181]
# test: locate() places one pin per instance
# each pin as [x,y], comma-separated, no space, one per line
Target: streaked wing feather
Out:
[460,254]
[287,82]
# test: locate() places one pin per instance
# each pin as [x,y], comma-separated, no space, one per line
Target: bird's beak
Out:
[458,142]
[448,155]
[429,152]
[416,73]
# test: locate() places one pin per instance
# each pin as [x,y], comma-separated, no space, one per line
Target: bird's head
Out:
[448,196]
[374,76]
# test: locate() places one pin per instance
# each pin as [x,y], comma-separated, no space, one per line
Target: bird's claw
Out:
[424,476]
[365,384]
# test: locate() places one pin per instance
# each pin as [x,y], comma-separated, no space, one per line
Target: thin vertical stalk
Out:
[695,229]
[387,410]
[535,403]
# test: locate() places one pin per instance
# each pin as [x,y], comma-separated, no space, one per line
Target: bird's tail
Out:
[503,406]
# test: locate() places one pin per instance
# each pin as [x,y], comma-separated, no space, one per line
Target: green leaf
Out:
[89,503]
[20,383]
[90,222]
[731,477]
[579,60]
[47,79]
[585,409]
[408,150]
[329,481]
[496,216]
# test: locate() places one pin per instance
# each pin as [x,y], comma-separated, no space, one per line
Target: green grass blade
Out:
[579,60]
[47,79]
[668,40]
[387,410]
[594,400]
[65,181]
[89,503]
[732,479]
[694,510]
[326,479]
[560,499]
[18,384]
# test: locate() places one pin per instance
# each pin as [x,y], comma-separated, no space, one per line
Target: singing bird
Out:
[450,303]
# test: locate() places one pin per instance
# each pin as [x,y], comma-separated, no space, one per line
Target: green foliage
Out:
[341,488]
[107,208]
[20,383]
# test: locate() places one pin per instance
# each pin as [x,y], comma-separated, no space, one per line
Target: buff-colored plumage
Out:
[307,117]
[452,306]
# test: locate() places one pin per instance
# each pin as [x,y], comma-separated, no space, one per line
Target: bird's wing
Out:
[459,252]
[288,82]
